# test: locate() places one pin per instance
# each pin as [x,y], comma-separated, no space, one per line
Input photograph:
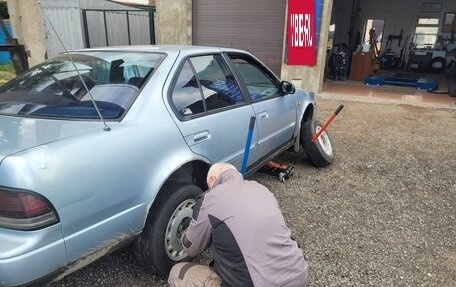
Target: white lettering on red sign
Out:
[301,34]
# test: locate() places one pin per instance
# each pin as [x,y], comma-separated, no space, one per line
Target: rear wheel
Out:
[320,153]
[159,246]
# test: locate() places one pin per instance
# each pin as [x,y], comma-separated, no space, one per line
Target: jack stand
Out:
[281,171]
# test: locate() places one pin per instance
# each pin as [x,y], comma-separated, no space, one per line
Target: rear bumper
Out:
[31,258]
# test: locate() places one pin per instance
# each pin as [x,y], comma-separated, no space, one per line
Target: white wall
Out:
[174,22]
[28,27]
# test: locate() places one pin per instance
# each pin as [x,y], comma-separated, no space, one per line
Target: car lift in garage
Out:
[401,79]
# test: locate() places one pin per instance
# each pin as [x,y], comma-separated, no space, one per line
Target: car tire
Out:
[437,65]
[159,246]
[321,153]
[452,90]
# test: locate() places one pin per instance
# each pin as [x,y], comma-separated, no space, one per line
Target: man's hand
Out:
[185,223]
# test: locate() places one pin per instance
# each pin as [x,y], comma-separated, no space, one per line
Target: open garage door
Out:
[256,26]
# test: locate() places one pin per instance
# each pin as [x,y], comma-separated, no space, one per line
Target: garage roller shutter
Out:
[254,25]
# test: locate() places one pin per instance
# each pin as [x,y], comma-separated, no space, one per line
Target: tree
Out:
[4,10]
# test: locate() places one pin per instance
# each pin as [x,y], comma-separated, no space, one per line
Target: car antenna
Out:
[106,128]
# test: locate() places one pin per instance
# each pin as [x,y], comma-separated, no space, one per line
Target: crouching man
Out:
[250,243]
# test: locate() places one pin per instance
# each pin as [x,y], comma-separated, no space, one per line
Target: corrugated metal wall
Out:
[66,19]
[107,23]
[112,28]
[255,25]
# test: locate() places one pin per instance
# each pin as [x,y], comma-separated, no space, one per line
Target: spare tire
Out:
[452,90]
[320,153]
[437,65]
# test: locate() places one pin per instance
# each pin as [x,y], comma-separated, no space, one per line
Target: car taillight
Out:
[24,210]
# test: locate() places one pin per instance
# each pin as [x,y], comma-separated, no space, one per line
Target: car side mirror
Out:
[288,88]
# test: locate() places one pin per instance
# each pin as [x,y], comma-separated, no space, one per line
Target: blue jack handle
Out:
[247,146]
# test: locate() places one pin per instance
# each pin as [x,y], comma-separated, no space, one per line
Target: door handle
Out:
[202,136]
[263,116]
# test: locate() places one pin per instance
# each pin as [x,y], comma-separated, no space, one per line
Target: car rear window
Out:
[54,89]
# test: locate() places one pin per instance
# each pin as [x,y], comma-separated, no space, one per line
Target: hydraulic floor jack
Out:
[280,170]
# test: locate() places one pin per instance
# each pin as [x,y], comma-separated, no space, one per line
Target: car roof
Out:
[163,48]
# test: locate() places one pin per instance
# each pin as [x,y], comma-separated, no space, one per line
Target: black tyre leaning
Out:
[321,153]
[437,65]
[452,90]
[158,247]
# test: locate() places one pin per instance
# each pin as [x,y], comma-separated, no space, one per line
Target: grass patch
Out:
[6,73]
[7,68]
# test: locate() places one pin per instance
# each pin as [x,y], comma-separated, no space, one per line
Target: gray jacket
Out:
[250,242]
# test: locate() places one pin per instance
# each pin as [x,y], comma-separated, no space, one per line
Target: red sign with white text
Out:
[301,38]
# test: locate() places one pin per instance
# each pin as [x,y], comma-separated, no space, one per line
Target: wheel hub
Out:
[175,230]
[324,141]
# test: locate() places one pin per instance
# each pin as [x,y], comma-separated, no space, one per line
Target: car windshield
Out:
[54,88]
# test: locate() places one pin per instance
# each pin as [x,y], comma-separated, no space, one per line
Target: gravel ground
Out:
[381,215]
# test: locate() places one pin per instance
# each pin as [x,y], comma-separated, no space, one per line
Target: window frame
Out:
[448,27]
[206,112]
[261,67]
[418,25]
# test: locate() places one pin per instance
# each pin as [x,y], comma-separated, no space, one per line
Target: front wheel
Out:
[159,246]
[320,153]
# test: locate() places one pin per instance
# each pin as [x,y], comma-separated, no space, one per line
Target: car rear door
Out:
[213,114]
[275,112]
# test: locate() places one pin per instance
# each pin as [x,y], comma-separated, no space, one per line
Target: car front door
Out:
[213,115]
[275,112]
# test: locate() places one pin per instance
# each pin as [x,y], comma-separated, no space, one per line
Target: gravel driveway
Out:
[382,215]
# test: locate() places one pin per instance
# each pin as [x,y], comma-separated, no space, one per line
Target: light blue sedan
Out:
[101,147]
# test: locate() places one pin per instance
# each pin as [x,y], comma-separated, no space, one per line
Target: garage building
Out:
[355,39]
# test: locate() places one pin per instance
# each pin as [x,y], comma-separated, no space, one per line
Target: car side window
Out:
[186,97]
[258,82]
[205,83]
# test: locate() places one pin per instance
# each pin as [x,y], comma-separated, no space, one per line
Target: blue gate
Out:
[5,57]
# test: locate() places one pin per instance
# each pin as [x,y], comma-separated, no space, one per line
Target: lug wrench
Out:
[326,124]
